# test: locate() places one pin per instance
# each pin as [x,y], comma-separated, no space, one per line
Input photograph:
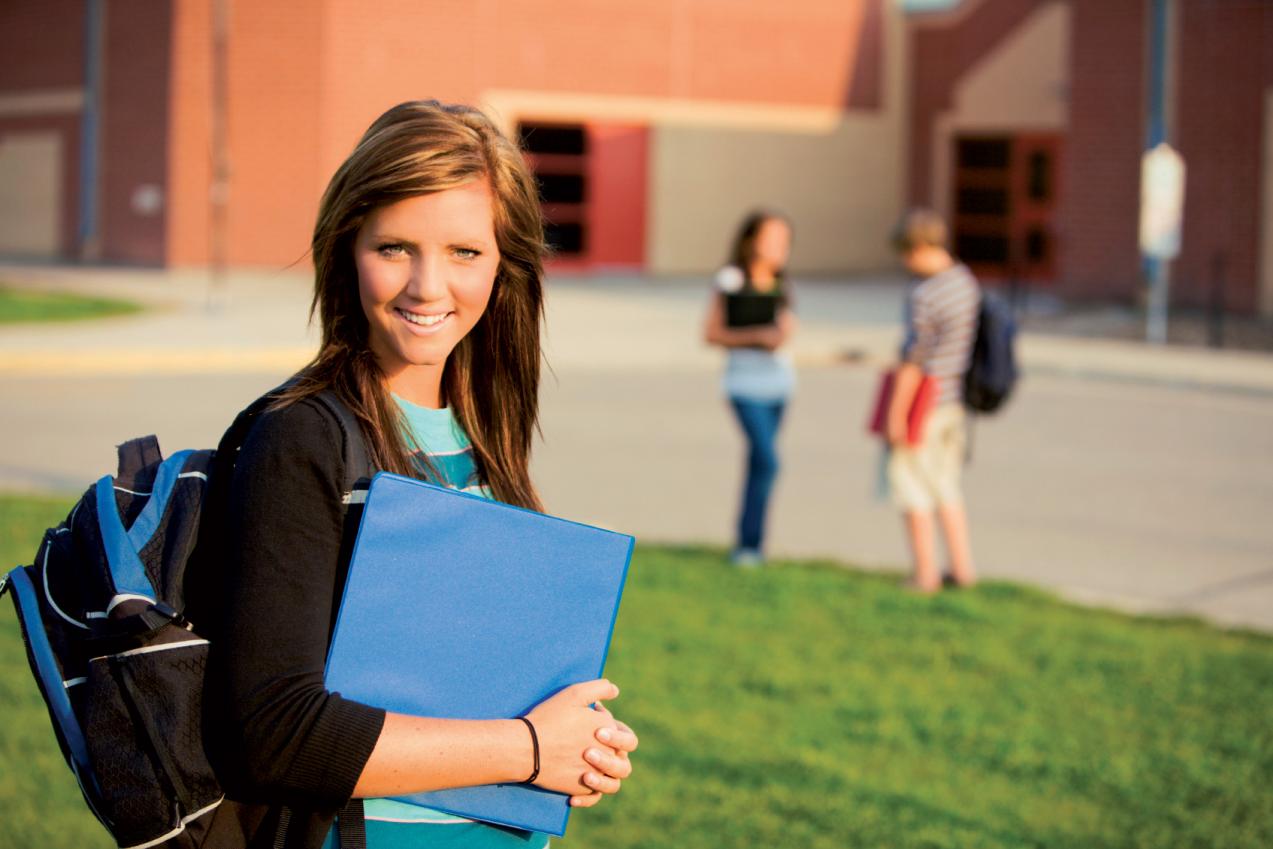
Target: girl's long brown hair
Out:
[743,249]
[491,378]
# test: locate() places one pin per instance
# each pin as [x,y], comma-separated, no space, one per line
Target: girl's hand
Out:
[770,338]
[568,727]
[898,432]
[610,762]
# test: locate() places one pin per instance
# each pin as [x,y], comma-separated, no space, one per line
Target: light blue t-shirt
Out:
[435,435]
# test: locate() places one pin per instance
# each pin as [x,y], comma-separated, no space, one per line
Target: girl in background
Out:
[759,376]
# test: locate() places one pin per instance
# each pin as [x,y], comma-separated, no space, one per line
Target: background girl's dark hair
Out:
[743,250]
[491,379]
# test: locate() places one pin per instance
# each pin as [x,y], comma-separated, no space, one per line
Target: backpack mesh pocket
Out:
[145,741]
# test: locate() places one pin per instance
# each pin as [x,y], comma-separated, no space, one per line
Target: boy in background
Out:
[941,327]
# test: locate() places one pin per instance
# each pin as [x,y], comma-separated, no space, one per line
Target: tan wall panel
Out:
[837,175]
[30,194]
[841,189]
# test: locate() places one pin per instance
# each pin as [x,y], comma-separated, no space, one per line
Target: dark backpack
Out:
[992,370]
[119,666]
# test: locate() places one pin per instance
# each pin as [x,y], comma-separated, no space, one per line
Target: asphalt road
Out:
[1143,497]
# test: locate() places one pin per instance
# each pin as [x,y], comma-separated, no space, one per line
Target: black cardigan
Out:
[276,736]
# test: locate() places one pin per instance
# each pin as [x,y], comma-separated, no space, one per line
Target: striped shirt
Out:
[941,326]
[440,448]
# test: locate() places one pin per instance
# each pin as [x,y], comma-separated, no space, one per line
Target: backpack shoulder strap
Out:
[350,823]
[357,461]
[358,472]
[358,465]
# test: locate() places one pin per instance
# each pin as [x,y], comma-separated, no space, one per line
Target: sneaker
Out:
[747,558]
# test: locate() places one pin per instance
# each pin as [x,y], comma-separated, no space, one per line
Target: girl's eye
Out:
[391,249]
[467,253]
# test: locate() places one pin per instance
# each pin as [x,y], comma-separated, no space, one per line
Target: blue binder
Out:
[465,608]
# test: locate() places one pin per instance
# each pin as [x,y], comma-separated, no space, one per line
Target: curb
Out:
[154,362]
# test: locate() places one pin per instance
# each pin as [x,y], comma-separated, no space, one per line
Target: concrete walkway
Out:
[1120,474]
[254,321]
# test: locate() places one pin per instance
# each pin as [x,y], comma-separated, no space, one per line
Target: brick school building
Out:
[178,132]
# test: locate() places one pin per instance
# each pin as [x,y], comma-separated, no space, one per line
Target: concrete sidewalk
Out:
[256,322]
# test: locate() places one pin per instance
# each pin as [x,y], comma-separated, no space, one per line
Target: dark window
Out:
[984,153]
[561,188]
[565,238]
[982,202]
[559,154]
[981,249]
[550,138]
[1036,245]
[1040,176]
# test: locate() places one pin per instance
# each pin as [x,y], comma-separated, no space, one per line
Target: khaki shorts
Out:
[927,475]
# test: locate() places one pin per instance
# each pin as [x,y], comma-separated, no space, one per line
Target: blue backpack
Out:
[119,665]
[992,370]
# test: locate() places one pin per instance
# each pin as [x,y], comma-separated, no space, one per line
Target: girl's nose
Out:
[428,279]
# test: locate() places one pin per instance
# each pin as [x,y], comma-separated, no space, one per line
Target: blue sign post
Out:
[1162,179]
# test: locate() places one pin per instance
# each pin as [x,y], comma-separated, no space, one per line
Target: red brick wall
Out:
[273,131]
[865,86]
[307,78]
[809,52]
[943,47]
[1225,66]
[1101,171]
[42,44]
[134,128]
[189,141]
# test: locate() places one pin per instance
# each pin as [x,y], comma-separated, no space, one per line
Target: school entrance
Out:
[592,182]
[1005,202]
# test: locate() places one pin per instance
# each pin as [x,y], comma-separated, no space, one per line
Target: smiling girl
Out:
[428,258]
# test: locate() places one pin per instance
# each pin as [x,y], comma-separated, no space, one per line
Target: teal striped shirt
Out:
[441,449]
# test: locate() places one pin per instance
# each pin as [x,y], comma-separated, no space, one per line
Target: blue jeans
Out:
[759,421]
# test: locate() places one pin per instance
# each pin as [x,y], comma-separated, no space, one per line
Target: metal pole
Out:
[1158,270]
[1156,313]
[89,241]
[1215,323]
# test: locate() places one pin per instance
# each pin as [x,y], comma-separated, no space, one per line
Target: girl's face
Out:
[772,247]
[426,267]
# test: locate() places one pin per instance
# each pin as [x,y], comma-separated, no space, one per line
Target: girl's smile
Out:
[426,323]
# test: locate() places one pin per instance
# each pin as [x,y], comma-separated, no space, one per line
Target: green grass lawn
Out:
[812,706]
[25,305]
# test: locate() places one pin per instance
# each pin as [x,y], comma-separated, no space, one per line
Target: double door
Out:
[1004,204]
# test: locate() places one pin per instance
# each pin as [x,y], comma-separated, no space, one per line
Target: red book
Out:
[925,398]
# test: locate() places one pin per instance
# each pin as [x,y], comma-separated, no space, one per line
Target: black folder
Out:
[750,309]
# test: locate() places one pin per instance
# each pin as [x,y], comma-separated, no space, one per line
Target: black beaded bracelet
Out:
[534,742]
